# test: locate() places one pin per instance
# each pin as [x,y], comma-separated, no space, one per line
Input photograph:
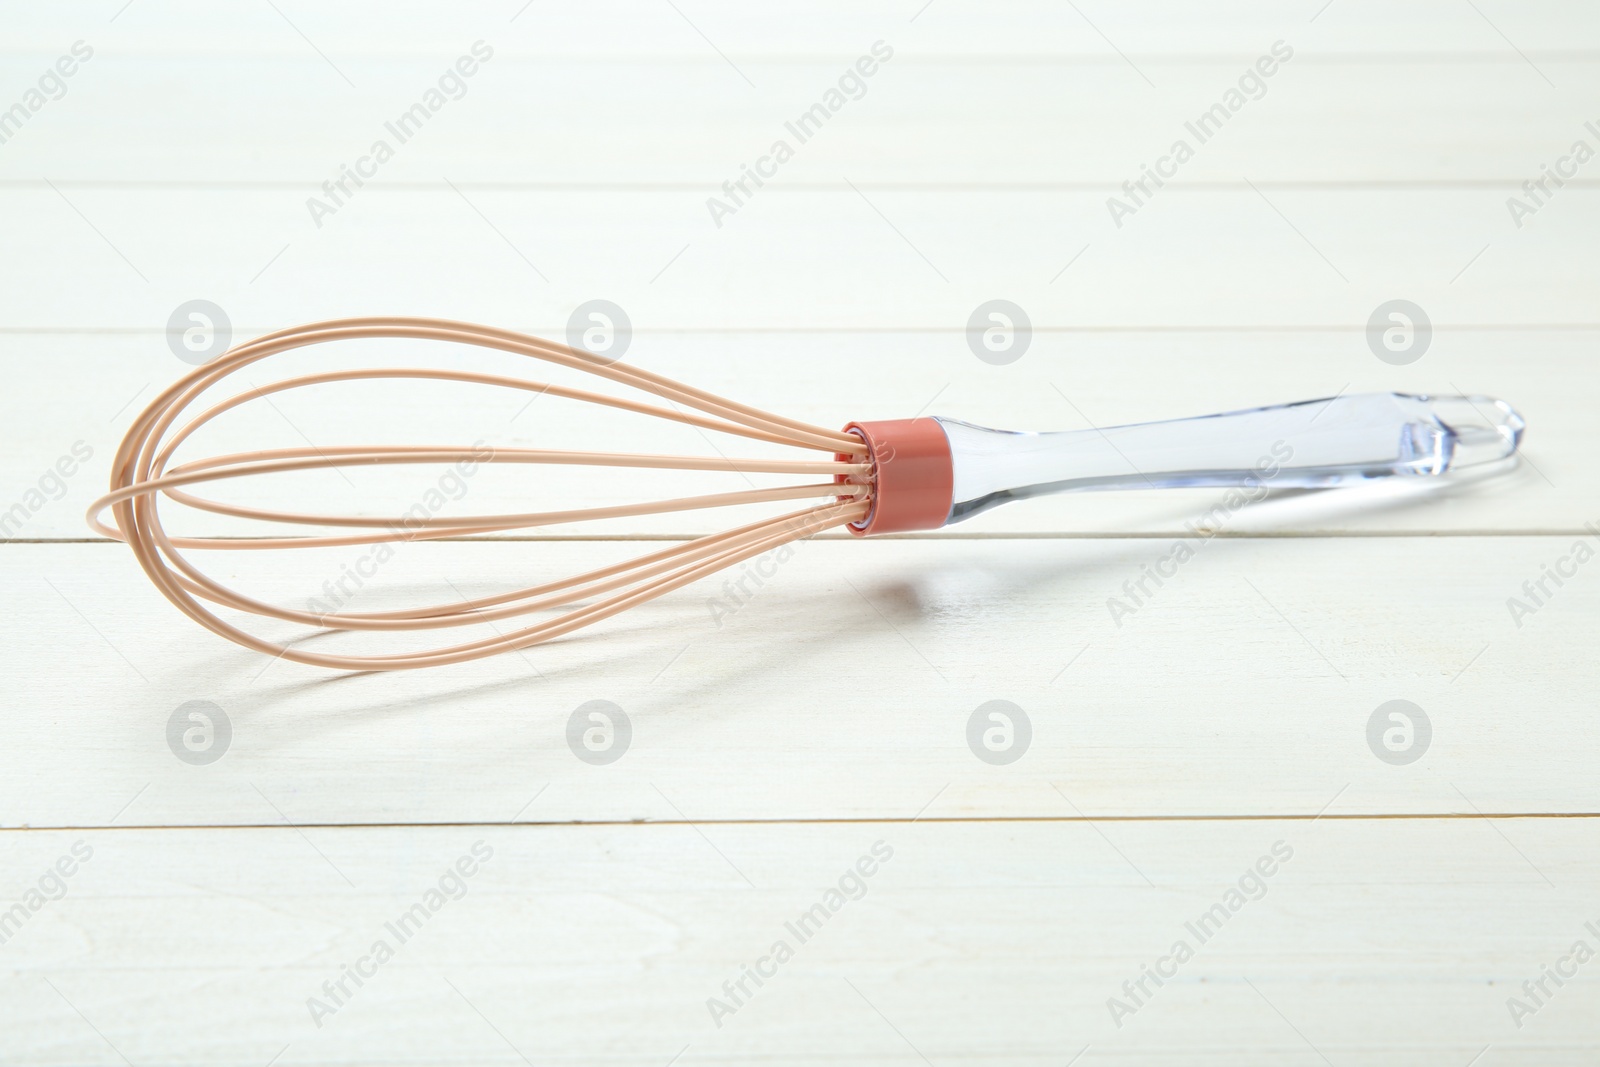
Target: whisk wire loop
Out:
[141,475]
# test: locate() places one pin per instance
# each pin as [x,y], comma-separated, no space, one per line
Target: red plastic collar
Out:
[912,475]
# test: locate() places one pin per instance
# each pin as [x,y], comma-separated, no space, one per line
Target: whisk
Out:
[872,477]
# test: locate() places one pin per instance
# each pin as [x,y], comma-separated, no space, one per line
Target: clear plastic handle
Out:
[1311,444]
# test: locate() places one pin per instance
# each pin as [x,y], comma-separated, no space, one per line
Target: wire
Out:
[140,476]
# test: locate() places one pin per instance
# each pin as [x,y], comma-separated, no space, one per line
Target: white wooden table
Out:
[1199,799]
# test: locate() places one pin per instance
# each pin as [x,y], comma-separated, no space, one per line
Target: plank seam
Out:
[1307,817]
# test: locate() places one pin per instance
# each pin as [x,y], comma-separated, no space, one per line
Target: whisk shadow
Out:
[905,601]
[656,631]
[427,697]
[655,640]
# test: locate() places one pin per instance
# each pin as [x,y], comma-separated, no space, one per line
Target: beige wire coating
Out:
[140,475]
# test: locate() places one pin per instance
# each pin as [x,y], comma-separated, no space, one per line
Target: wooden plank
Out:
[801,260]
[1382,942]
[348,32]
[784,720]
[921,120]
[842,686]
[1066,380]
